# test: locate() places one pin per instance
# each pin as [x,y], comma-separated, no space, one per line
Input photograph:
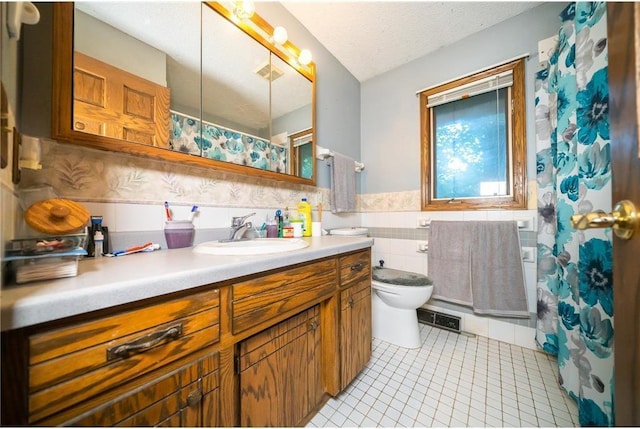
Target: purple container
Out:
[178,233]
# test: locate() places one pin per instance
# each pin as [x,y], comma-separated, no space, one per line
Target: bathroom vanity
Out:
[174,338]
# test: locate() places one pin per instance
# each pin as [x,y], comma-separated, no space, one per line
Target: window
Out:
[302,154]
[473,141]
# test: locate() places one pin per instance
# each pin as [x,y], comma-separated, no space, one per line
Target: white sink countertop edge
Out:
[108,282]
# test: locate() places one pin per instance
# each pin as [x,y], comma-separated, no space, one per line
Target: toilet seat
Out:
[399,277]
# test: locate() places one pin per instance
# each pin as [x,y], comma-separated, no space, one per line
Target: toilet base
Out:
[395,325]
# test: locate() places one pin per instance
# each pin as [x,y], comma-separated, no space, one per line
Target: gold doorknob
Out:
[624,220]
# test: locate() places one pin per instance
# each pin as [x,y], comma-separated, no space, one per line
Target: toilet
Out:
[396,298]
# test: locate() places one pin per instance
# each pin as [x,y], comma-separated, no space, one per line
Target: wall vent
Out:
[440,320]
[269,72]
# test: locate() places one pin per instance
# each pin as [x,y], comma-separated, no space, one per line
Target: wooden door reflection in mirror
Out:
[146,82]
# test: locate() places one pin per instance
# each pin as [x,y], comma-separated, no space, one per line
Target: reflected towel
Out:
[449,261]
[497,280]
[343,183]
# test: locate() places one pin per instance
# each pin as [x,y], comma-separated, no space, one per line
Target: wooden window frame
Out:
[517,156]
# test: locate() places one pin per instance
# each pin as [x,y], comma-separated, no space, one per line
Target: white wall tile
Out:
[474,215]
[530,273]
[138,217]
[499,214]
[502,331]
[525,337]
[213,217]
[367,219]
[476,325]
[416,264]
[106,210]
[445,215]
[395,220]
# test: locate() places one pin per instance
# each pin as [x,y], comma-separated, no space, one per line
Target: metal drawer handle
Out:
[357,267]
[143,343]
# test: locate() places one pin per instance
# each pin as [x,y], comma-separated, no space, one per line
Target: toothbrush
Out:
[147,247]
[167,211]
[192,214]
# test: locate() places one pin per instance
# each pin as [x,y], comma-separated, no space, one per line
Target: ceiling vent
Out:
[269,72]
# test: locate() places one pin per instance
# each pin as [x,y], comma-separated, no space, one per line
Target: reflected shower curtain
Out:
[574,290]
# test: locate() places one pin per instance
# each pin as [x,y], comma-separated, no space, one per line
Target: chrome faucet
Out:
[239,227]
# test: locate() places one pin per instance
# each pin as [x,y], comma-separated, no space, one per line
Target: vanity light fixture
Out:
[305,57]
[244,9]
[280,35]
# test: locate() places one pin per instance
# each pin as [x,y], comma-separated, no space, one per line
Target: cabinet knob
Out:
[314,325]
[194,398]
[351,302]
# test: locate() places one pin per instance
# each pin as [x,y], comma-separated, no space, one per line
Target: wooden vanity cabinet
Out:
[264,350]
[355,315]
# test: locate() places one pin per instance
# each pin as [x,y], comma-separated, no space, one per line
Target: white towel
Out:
[343,183]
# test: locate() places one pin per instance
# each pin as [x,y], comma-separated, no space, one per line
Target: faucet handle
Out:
[237,221]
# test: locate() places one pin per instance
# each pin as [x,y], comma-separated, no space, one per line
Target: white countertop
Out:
[107,282]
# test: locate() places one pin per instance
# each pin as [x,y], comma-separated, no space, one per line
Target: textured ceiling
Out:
[370,38]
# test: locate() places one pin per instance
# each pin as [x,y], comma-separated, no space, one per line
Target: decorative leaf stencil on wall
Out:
[174,184]
[206,185]
[74,174]
[235,191]
[131,182]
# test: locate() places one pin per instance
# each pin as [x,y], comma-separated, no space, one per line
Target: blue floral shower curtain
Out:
[574,290]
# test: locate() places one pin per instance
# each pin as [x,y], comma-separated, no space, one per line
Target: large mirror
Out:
[143,79]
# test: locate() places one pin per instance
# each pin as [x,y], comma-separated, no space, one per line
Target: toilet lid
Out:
[399,277]
[350,231]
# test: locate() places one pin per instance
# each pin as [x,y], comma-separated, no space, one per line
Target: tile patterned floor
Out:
[453,380]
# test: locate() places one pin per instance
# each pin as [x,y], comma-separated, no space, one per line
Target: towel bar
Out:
[324,153]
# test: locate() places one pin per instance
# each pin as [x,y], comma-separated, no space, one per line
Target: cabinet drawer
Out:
[258,300]
[74,363]
[172,399]
[355,267]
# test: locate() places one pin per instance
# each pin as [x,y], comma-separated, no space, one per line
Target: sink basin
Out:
[258,246]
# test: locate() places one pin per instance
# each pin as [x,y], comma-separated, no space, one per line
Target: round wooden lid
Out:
[56,216]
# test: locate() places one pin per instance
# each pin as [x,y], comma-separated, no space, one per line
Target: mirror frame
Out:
[62,98]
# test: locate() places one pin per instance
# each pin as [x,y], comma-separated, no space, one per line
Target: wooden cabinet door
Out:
[280,370]
[355,330]
[111,102]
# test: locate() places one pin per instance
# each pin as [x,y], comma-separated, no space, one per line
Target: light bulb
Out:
[244,9]
[280,35]
[305,57]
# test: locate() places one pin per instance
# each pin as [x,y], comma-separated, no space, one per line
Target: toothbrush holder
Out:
[178,233]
